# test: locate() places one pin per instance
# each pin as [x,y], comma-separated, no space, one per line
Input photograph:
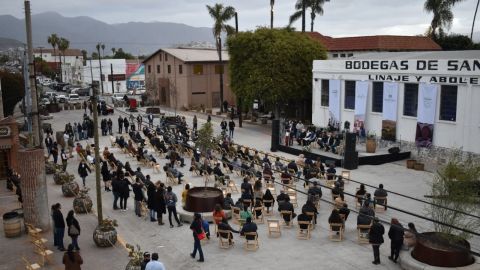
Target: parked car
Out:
[59,86]
[117,97]
[83,92]
[50,95]
[155,111]
[44,101]
[61,98]
[72,98]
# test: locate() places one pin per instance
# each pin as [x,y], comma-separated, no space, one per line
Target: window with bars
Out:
[158,68]
[198,69]
[324,93]
[377,97]
[448,103]
[350,95]
[180,69]
[149,69]
[169,69]
[410,99]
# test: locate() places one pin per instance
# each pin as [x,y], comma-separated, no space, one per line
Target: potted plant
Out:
[51,168]
[371,143]
[70,188]
[82,203]
[61,177]
[136,257]
[454,196]
[105,234]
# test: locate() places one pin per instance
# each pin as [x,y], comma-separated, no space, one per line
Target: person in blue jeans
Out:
[59,227]
[196,228]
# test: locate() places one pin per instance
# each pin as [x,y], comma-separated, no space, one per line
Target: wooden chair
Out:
[44,253]
[225,239]
[273,227]
[362,233]
[258,220]
[231,186]
[34,234]
[251,241]
[30,266]
[303,233]
[247,203]
[380,204]
[312,218]
[336,231]
[293,198]
[267,210]
[171,180]
[235,214]
[358,201]
[285,213]
[346,176]
[112,141]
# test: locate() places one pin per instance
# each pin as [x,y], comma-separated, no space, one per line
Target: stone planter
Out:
[132,266]
[70,189]
[82,203]
[411,163]
[434,249]
[105,238]
[419,166]
[51,168]
[61,178]
[371,145]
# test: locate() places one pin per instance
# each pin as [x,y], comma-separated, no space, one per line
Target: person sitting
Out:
[304,217]
[368,199]
[309,206]
[217,171]
[360,194]
[239,203]
[249,227]
[169,168]
[258,206]
[337,191]
[365,215]
[315,192]
[344,211]
[218,214]
[380,192]
[278,165]
[224,226]
[228,202]
[267,171]
[340,182]
[245,214]
[410,236]
[247,199]
[331,172]
[257,189]
[285,177]
[246,187]
[309,138]
[269,197]
[292,166]
[335,218]
[323,141]
[286,206]
[282,197]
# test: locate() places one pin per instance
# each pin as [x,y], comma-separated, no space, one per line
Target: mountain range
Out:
[85,32]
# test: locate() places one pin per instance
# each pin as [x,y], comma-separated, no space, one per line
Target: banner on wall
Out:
[361,95]
[334,102]
[390,103]
[427,101]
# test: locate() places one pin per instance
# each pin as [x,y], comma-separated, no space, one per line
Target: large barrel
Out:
[12,224]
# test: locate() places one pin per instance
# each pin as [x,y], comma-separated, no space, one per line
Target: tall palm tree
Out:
[63,45]
[272,3]
[442,15]
[474,17]
[114,51]
[221,15]
[103,49]
[53,41]
[315,6]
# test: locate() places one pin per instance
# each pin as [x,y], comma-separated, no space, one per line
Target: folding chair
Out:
[44,253]
[285,213]
[304,228]
[225,238]
[30,266]
[258,219]
[267,210]
[231,186]
[346,176]
[362,233]
[312,218]
[380,204]
[235,214]
[251,241]
[273,227]
[336,231]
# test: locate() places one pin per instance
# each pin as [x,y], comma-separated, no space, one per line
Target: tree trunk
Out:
[473,22]
[303,15]
[312,21]
[271,18]
[219,46]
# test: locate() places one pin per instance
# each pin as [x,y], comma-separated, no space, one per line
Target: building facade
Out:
[70,63]
[187,78]
[429,101]
[113,72]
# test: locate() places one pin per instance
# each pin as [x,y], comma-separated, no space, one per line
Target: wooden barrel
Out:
[419,166]
[411,163]
[12,224]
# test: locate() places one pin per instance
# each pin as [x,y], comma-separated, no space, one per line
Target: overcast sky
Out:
[341,18]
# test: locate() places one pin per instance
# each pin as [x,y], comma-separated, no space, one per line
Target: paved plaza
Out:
[175,244]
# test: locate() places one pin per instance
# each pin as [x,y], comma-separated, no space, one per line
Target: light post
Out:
[97,153]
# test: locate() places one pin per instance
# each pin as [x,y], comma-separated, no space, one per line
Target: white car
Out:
[117,97]
[61,98]
[50,95]
[73,98]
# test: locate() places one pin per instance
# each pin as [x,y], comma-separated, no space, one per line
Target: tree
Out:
[272,3]
[84,55]
[63,45]
[221,15]
[120,54]
[42,66]
[103,49]
[13,90]
[455,42]
[474,18]
[205,138]
[94,55]
[272,65]
[114,51]
[442,15]
[315,6]
[53,40]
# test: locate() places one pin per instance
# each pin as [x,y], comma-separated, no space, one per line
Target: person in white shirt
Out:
[154,264]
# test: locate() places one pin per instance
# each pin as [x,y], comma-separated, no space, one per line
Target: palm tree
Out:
[442,15]
[53,41]
[315,6]
[103,49]
[114,51]
[272,3]
[474,17]
[63,45]
[221,15]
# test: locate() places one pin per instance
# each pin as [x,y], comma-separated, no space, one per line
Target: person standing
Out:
[151,200]
[139,122]
[171,199]
[154,264]
[395,234]
[72,260]
[160,207]
[115,191]
[124,193]
[110,126]
[150,120]
[64,158]
[49,144]
[106,176]
[138,196]
[231,128]
[54,152]
[73,228]
[375,237]
[126,124]
[83,171]
[197,230]
[146,260]
[209,118]
[195,123]
[120,124]
[223,126]
[59,226]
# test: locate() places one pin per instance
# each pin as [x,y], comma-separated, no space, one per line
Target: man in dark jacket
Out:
[59,226]
[151,200]
[146,259]
[120,124]
[126,124]
[124,191]
[138,196]
[249,227]
[375,236]
[115,191]
[83,171]
[396,239]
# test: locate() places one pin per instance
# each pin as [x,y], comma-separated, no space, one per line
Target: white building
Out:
[435,91]
[70,62]
[117,67]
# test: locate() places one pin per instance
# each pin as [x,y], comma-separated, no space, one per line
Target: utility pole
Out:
[111,74]
[1,100]
[239,104]
[91,71]
[100,63]
[27,99]
[97,153]
[34,113]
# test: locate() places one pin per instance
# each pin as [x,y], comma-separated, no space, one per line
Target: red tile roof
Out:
[68,52]
[376,43]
